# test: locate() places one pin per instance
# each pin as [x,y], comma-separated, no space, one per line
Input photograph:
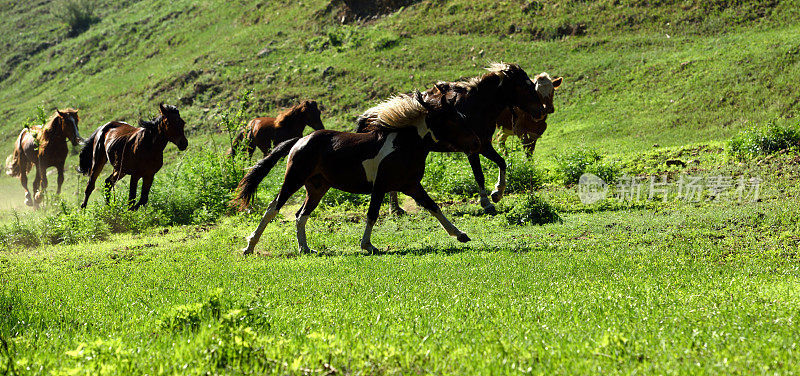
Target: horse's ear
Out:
[421,100]
[62,114]
[162,109]
[439,89]
[557,82]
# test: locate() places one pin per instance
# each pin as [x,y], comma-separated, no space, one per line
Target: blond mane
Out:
[400,111]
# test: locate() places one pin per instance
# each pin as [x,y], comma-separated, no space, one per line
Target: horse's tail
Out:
[87,153]
[16,163]
[249,184]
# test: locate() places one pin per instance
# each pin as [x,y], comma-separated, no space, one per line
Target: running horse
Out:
[134,151]
[264,132]
[482,99]
[390,157]
[514,122]
[43,146]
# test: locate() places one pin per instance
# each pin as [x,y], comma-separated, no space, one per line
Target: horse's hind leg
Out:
[60,180]
[147,183]
[372,217]
[90,186]
[475,163]
[314,194]
[423,199]
[394,204]
[23,179]
[109,185]
[39,184]
[292,183]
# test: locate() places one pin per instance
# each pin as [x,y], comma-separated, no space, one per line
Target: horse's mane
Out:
[291,113]
[497,69]
[400,111]
[49,124]
[153,124]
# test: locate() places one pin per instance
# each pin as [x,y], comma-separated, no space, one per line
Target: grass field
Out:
[616,287]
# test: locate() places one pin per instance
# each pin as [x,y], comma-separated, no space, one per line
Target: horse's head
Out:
[312,115]
[69,125]
[172,125]
[518,89]
[545,88]
[447,125]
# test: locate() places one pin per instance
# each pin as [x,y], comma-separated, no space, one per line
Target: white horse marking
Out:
[371,165]
[301,232]
[297,146]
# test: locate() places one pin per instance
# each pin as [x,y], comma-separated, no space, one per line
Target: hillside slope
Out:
[637,72]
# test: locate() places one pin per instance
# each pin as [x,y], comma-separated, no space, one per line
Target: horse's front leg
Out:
[23,178]
[38,185]
[500,186]
[423,199]
[60,180]
[147,183]
[475,163]
[132,190]
[372,216]
[394,204]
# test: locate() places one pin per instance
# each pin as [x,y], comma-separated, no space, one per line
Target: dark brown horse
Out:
[481,100]
[43,146]
[389,158]
[266,132]
[515,122]
[134,151]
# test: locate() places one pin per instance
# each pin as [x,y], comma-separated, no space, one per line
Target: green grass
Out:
[612,288]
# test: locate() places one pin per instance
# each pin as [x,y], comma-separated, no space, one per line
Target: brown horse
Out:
[265,132]
[514,122]
[134,151]
[389,158]
[43,146]
[481,100]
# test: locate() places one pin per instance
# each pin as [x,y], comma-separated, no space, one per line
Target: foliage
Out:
[574,164]
[532,209]
[764,141]
[78,15]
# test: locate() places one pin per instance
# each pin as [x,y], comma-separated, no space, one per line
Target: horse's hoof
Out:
[369,248]
[398,211]
[490,209]
[497,196]
[28,201]
[462,237]
[247,251]
[307,251]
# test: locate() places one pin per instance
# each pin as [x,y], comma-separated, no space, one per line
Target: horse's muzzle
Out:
[182,144]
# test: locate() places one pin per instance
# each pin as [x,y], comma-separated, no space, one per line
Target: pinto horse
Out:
[389,158]
[134,151]
[514,122]
[264,132]
[43,146]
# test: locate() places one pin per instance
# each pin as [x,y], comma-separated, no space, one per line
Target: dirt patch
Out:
[348,11]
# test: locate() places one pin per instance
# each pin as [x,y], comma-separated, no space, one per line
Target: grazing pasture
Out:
[554,283]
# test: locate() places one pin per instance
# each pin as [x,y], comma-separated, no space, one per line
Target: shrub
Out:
[763,141]
[523,176]
[572,165]
[78,16]
[532,209]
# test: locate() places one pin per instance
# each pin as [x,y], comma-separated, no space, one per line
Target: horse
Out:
[264,132]
[134,151]
[43,146]
[482,99]
[514,122]
[391,157]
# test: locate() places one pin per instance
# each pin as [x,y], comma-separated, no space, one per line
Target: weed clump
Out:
[572,165]
[763,141]
[78,16]
[532,210]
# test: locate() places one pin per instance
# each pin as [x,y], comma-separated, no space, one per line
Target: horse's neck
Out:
[53,132]
[155,138]
[487,101]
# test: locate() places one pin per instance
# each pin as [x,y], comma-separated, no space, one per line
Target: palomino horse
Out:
[389,158]
[514,122]
[481,100]
[265,132]
[43,146]
[134,151]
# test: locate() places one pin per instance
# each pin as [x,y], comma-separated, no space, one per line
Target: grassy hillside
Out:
[637,73]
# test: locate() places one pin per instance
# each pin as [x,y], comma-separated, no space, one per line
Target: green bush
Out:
[335,197]
[523,176]
[532,210]
[763,141]
[572,165]
[78,15]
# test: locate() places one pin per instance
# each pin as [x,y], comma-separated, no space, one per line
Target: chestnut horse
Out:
[265,132]
[43,146]
[134,151]
[514,122]
[389,158]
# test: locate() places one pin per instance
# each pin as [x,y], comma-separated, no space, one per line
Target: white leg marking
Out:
[301,234]
[366,243]
[269,215]
[371,165]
